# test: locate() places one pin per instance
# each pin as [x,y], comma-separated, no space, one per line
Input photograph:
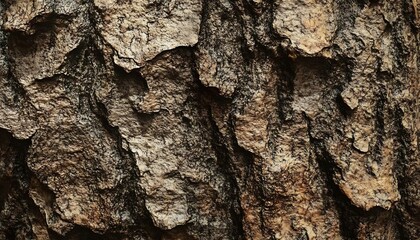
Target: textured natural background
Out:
[209,119]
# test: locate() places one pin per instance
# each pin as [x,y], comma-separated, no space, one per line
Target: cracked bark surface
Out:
[249,119]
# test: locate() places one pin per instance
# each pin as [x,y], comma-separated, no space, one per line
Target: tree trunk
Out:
[221,119]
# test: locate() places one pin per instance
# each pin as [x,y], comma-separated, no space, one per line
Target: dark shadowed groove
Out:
[271,48]
[35,209]
[88,57]
[49,22]
[253,180]
[203,20]
[20,170]
[344,109]
[16,85]
[18,185]
[22,167]
[5,178]
[134,196]
[20,94]
[5,185]
[285,85]
[380,108]
[347,14]
[409,15]
[206,96]
[134,77]
[79,232]
[404,154]
[349,214]
[225,164]
[347,65]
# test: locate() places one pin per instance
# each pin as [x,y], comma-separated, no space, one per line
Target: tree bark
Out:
[222,119]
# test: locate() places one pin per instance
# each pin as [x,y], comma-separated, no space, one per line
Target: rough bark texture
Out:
[221,119]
